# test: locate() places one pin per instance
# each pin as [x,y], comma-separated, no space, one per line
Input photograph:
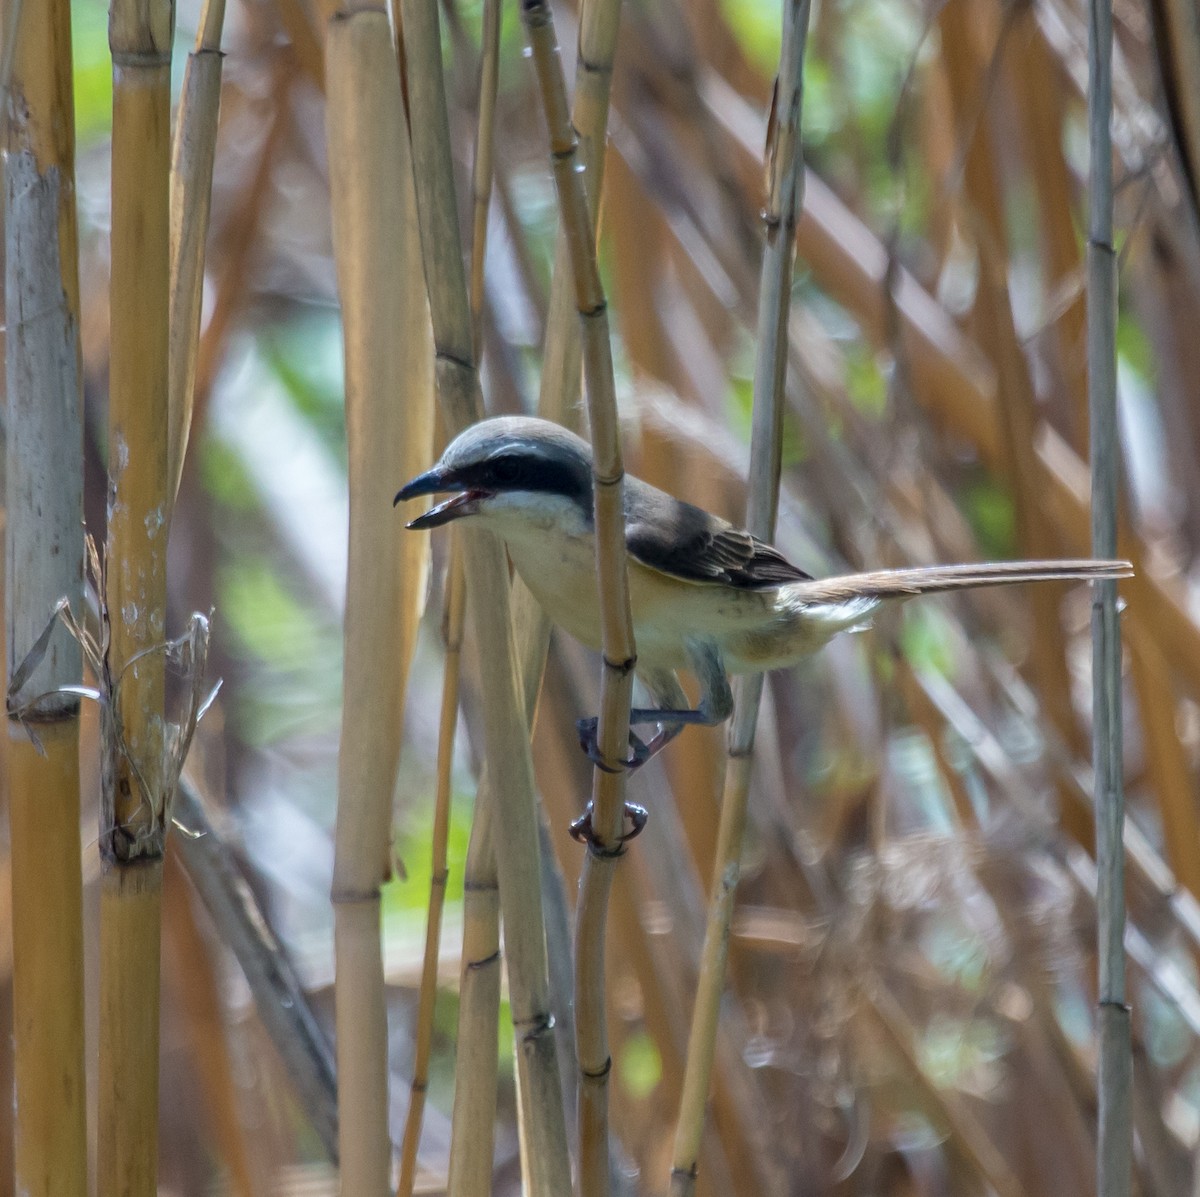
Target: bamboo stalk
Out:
[43,563]
[134,799]
[389,421]
[1115,1140]
[484,922]
[599,21]
[545,1158]
[191,201]
[780,215]
[618,649]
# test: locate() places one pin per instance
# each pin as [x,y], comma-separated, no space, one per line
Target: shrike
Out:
[706,596]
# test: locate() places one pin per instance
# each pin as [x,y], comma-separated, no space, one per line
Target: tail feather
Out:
[904,583]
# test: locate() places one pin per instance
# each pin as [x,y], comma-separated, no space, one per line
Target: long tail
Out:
[903,583]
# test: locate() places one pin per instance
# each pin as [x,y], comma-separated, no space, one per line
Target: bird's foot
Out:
[583,832]
[589,742]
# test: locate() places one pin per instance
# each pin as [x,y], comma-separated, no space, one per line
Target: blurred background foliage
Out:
[912,972]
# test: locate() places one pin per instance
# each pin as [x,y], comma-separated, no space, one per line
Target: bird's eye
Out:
[506,470]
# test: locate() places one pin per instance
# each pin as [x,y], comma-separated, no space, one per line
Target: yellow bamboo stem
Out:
[43,563]
[618,648]
[133,809]
[389,421]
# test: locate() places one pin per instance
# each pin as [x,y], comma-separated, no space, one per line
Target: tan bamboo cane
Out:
[389,420]
[479,1089]
[134,799]
[547,1169]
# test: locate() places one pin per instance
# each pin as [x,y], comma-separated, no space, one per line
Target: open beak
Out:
[466,502]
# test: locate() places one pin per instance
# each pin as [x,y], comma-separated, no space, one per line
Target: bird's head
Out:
[510,466]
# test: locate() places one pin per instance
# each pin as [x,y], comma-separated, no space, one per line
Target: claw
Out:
[588,742]
[583,832]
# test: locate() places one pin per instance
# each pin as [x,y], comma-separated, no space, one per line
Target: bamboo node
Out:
[483,962]
[141,58]
[538,1026]
[597,1074]
[594,68]
[623,668]
[689,1173]
[1114,1004]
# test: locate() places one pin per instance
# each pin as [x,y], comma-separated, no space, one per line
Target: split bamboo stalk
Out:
[515,851]
[44,563]
[197,990]
[389,423]
[278,995]
[781,212]
[477,1088]
[599,21]
[619,652]
[134,814]
[191,200]
[1114,1146]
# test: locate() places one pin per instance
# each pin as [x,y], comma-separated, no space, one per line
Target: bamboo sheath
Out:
[781,212]
[389,420]
[133,805]
[546,1163]
[191,202]
[43,563]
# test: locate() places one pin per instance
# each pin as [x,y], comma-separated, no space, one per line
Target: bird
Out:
[706,596]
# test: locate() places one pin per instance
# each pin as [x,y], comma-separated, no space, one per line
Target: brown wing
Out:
[686,542]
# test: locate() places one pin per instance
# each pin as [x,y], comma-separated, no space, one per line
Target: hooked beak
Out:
[430,483]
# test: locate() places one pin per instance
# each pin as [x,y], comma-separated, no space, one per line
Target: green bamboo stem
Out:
[1115,1138]
[545,1157]
[191,202]
[43,563]
[618,649]
[389,424]
[780,216]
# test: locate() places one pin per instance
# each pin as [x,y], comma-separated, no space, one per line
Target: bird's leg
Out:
[716,705]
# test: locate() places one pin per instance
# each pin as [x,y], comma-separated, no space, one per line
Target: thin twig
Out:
[1115,1138]
[780,215]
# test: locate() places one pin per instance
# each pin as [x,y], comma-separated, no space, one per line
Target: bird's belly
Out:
[668,613]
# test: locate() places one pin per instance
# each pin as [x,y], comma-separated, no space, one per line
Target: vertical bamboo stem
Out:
[780,215]
[546,1162]
[1114,1146]
[484,923]
[44,562]
[599,21]
[619,650]
[389,422]
[133,813]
